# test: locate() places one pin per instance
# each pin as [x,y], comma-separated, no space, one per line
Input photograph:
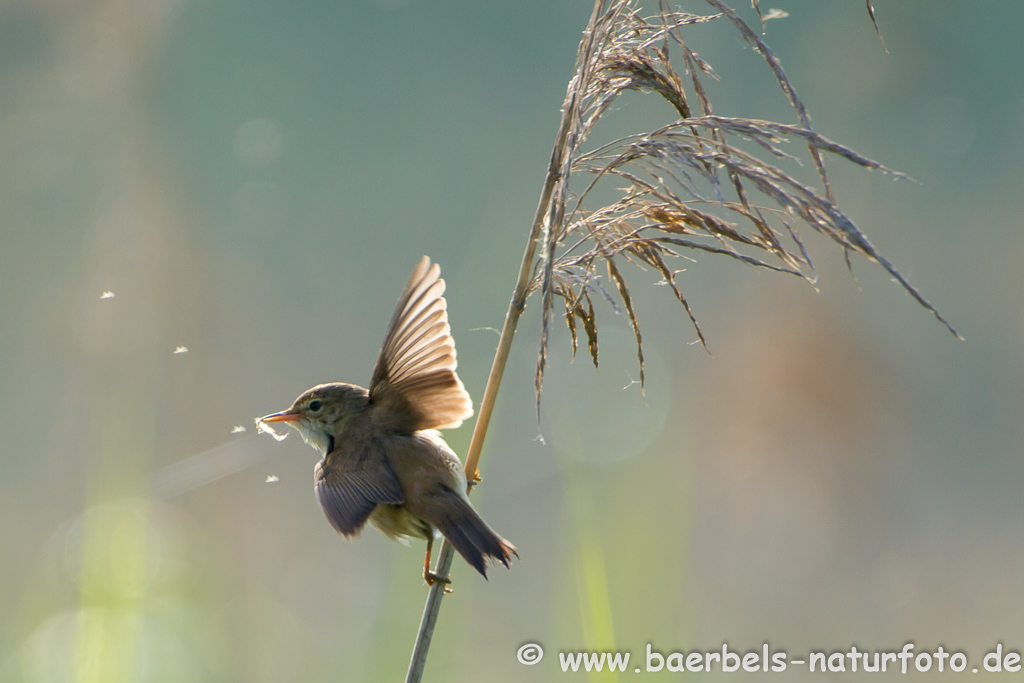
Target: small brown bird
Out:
[383,461]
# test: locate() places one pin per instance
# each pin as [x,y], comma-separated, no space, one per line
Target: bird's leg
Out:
[429,576]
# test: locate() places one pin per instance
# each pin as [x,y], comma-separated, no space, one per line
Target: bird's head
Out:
[321,414]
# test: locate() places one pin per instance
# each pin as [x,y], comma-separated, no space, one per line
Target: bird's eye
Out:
[315,405]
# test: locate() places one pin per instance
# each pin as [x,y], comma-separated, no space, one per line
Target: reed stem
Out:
[508,330]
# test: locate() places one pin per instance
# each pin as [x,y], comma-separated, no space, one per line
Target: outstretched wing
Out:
[414,385]
[348,489]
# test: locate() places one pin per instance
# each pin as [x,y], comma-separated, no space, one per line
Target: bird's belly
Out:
[396,522]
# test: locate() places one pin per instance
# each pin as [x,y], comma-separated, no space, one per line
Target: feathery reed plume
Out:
[693,185]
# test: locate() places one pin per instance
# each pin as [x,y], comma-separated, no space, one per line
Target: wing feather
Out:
[414,384]
[349,490]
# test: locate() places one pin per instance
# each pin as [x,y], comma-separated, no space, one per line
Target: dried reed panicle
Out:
[692,185]
[689,186]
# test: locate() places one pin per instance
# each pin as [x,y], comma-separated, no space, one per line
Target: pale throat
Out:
[315,435]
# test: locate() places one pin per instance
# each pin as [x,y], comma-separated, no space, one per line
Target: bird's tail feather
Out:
[476,541]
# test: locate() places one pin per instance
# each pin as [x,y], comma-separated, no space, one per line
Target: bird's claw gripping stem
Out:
[431,578]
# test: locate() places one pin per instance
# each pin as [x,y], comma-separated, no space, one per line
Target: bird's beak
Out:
[283,416]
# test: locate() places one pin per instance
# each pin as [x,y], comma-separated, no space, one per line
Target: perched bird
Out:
[383,461]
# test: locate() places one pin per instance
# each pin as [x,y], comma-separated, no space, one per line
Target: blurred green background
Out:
[254,180]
